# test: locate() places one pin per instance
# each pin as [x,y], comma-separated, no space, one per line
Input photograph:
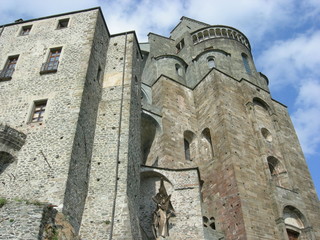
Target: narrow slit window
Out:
[99,74]
[187,150]
[246,63]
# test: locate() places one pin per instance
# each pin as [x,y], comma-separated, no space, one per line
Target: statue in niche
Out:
[163,212]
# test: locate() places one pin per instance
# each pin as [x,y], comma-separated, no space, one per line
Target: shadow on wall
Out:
[149,128]
[5,160]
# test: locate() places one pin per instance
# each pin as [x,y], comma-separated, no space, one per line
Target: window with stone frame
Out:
[63,23]
[25,30]
[6,73]
[51,65]
[38,111]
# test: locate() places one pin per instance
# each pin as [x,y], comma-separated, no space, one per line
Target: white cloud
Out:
[295,63]
[292,61]
[306,117]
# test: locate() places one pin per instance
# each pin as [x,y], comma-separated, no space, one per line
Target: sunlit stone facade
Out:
[91,122]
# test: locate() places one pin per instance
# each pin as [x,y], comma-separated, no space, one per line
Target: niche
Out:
[206,144]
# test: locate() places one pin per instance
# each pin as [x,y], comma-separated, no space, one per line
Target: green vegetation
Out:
[3,201]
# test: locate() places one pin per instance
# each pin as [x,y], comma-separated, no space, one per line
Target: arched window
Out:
[194,38]
[179,70]
[278,172]
[206,144]
[246,63]
[294,221]
[211,63]
[206,34]
[189,145]
[5,160]
[200,36]
[260,103]
[187,149]
[149,129]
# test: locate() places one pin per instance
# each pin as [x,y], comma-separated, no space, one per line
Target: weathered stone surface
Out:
[190,109]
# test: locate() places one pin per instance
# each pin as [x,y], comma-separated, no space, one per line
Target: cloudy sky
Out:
[284,35]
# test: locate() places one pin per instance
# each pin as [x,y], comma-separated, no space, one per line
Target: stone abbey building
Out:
[178,138]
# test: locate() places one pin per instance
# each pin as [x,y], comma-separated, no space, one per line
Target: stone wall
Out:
[183,186]
[20,220]
[41,167]
[114,178]
[80,163]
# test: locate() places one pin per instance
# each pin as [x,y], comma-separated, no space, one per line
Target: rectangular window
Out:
[6,73]
[53,61]
[38,111]
[63,23]
[25,30]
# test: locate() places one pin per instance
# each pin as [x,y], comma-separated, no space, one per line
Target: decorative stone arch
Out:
[211,51]
[11,137]
[150,127]
[11,141]
[5,160]
[278,172]
[296,224]
[206,146]
[259,102]
[208,59]
[178,59]
[189,145]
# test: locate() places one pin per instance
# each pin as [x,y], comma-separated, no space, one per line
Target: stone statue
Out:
[163,212]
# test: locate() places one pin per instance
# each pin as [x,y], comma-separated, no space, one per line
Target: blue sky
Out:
[284,36]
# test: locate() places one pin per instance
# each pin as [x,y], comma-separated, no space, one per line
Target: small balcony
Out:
[6,74]
[49,67]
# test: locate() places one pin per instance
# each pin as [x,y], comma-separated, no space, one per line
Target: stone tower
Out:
[96,130]
[210,109]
